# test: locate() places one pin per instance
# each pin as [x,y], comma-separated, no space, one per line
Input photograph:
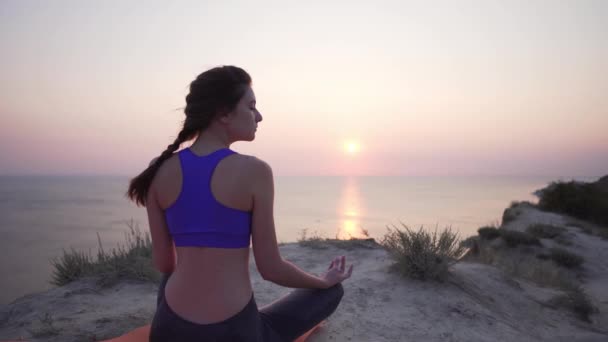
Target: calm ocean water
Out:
[40,216]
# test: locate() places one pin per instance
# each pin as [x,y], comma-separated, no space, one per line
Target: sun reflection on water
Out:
[350,211]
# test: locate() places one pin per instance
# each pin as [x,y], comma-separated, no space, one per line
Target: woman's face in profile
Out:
[243,120]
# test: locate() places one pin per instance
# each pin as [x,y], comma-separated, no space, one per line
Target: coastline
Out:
[478,302]
[40,218]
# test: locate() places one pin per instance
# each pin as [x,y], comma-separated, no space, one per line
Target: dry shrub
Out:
[422,254]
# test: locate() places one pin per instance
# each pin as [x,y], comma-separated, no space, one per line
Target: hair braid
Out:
[212,93]
[147,176]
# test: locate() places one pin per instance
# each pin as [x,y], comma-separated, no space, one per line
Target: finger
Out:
[342,263]
[347,274]
[350,270]
[331,265]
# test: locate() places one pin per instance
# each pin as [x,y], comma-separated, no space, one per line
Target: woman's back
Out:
[208,284]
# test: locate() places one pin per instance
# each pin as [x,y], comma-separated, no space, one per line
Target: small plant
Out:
[70,266]
[6,316]
[365,232]
[488,233]
[316,241]
[521,204]
[583,226]
[133,260]
[422,254]
[471,246]
[577,301]
[514,238]
[545,231]
[565,258]
[543,256]
[527,203]
[313,241]
[563,240]
[45,328]
[538,270]
[510,214]
[469,242]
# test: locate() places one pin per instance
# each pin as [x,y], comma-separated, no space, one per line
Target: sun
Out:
[351,147]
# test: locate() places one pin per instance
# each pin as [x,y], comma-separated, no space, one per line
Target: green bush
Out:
[132,261]
[545,231]
[488,233]
[587,201]
[565,258]
[514,238]
[422,254]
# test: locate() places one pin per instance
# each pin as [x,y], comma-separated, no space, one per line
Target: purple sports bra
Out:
[196,218]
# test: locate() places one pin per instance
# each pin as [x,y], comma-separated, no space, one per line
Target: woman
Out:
[204,203]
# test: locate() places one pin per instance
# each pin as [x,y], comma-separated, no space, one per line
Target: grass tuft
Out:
[316,241]
[565,258]
[421,254]
[45,328]
[470,242]
[133,260]
[488,233]
[545,231]
[70,266]
[576,300]
[514,238]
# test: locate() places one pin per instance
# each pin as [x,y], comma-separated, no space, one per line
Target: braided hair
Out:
[213,93]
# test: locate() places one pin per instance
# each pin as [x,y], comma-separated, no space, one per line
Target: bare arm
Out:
[270,264]
[163,249]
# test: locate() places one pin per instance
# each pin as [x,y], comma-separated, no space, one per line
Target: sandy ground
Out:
[478,302]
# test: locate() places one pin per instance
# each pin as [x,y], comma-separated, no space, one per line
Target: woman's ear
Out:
[225,119]
[225,116]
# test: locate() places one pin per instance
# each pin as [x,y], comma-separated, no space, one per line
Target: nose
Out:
[258,116]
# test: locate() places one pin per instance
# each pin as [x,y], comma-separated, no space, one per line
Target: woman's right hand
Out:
[336,272]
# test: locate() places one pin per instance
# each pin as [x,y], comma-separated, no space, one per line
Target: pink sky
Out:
[458,88]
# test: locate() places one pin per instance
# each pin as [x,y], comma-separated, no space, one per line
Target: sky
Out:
[419,87]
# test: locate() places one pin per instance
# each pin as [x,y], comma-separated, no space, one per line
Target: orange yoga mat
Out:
[140,334]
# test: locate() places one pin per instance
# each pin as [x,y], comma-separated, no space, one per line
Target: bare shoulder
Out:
[169,171]
[254,167]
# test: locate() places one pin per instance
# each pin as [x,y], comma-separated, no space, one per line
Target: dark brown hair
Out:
[213,93]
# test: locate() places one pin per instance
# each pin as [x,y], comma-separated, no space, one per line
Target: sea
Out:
[41,216]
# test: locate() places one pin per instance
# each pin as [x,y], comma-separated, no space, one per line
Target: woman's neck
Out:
[210,140]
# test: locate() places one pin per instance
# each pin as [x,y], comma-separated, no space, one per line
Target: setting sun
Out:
[351,147]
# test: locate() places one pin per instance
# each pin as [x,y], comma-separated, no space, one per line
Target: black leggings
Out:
[283,320]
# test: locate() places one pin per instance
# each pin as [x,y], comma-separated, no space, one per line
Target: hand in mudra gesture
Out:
[337,272]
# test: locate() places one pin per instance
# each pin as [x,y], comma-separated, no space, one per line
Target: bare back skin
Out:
[208,285]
